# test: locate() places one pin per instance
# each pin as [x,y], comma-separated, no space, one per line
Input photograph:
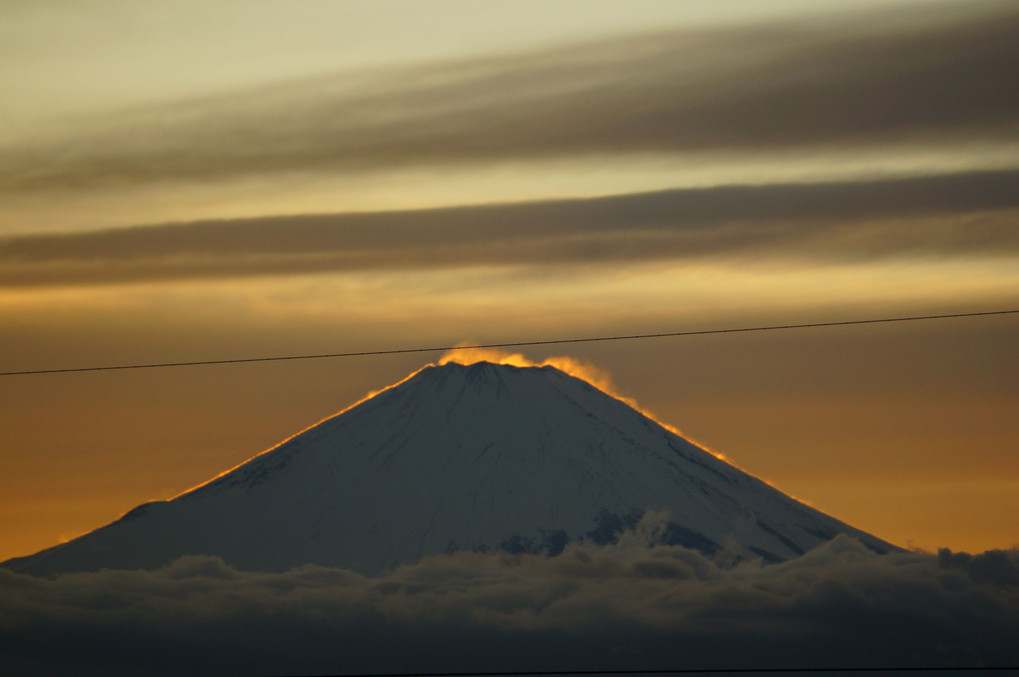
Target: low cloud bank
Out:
[623,606]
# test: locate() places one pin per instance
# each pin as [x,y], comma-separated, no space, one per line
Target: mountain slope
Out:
[475,457]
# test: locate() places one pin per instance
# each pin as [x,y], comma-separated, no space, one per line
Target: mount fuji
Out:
[478,457]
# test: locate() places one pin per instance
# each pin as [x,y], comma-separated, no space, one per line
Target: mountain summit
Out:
[459,457]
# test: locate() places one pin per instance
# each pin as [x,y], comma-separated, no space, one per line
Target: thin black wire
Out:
[689,671]
[512,344]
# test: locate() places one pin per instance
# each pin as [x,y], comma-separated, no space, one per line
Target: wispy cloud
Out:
[621,607]
[966,214]
[778,86]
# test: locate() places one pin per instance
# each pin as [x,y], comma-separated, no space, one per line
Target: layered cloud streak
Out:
[820,84]
[929,217]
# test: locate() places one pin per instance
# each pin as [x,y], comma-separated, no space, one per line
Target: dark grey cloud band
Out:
[942,216]
[745,89]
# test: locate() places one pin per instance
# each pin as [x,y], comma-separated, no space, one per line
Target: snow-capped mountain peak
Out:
[478,456]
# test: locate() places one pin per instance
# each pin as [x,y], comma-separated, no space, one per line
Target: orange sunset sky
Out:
[200,181]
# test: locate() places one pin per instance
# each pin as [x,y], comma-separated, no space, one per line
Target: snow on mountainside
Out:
[475,457]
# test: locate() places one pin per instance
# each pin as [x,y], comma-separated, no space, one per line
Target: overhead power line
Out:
[693,671]
[698,671]
[510,344]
